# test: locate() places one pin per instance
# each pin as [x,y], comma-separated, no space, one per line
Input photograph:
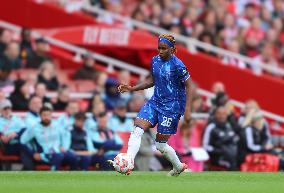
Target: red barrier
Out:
[29,14]
[240,84]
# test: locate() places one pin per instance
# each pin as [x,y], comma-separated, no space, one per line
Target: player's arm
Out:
[187,113]
[148,83]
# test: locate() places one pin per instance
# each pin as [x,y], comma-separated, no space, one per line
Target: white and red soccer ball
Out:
[123,163]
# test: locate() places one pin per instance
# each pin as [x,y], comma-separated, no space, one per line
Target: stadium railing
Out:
[191,43]
[111,62]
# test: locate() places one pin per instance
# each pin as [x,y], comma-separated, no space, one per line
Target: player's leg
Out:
[134,141]
[146,118]
[167,151]
[167,126]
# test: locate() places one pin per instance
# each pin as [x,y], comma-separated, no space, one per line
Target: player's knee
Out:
[161,146]
[142,123]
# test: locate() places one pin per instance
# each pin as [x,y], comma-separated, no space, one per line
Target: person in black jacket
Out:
[255,138]
[87,71]
[81,142]
[220,140]
[47,76]
[21,95]
[10,56]
[39,55]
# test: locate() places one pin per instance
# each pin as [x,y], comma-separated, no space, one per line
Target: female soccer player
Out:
[170,101]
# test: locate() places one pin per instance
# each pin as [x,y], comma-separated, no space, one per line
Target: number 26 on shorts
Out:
[166,122]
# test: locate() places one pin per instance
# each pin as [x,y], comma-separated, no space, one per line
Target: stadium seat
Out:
[212,167]
[24,73]
[42,167]
[7,160]
[85,85]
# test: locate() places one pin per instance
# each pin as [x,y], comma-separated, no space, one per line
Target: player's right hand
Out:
[124,88]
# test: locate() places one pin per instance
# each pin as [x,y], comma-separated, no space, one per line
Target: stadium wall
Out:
[28,13]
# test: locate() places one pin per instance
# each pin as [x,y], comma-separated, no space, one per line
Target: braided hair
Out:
[170,38]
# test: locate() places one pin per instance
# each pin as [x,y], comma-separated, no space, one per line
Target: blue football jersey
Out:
[169,93]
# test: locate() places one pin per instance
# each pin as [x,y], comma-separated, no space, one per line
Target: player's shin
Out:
[134,142]
[170,154]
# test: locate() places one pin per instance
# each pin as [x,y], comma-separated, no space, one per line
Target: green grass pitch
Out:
[140,182]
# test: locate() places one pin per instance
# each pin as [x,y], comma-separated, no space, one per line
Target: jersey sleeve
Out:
[183,74]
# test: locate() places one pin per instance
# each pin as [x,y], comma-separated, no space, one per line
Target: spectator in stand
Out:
[30,147]
[95,100]
[136,102]
[167,20]
[206,37]
[91,123]
[80,142]
[100,82]
[111,94]
[156,14]
[7,59]
[40,91]
[63,98]
[32,117]
[230,31]
[11,127]
[210,23]
[217,87]
[67,120]
[10,56]
[25,46]
[267,58]
[250,47]
[233,46]
[39,55]
[250,108]
[48,135]
[119,122]
[47,76]
[124,78]
[197,105]
[87,71]
[106,141]
[220,140]
[256,137]
[21,96]
[6,84]
[5,39]
[222,99]
[255,31]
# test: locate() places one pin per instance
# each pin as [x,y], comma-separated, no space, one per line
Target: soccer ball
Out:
[123,163]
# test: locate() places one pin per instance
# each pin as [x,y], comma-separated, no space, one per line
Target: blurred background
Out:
[70,55]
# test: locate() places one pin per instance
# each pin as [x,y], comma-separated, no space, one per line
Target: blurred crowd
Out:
[250,27]
[30,82]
